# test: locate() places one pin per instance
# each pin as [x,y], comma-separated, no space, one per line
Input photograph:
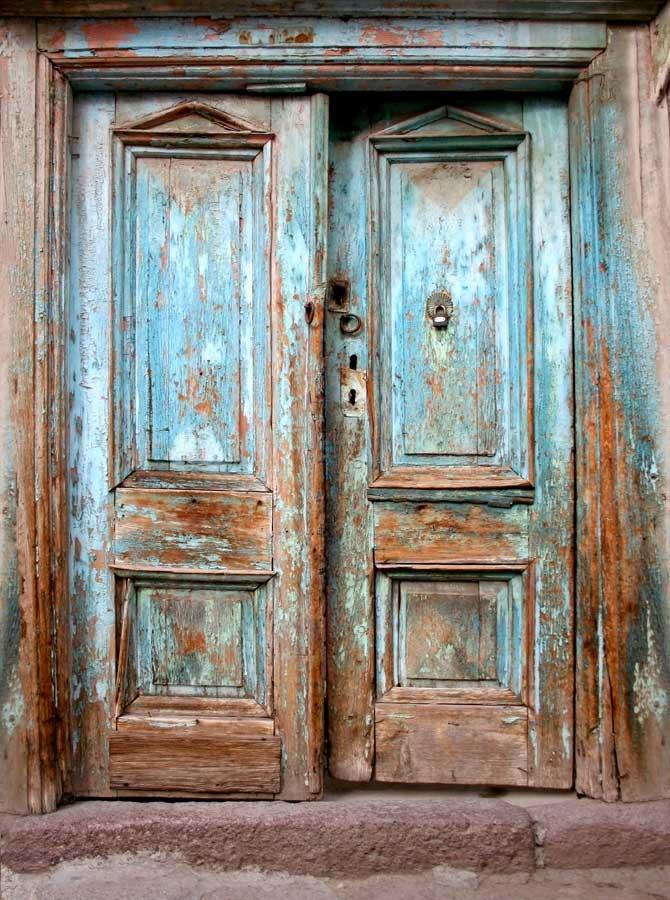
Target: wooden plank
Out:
[349,586]
[31,776]
[205,36]
[635,10]
[52,608]
[201,530]
[449,533]
[298,270]
[90,507]
[475,694]
[347,55]
[161,707]
[408,478]
[451,744]
[185,759]
[551,522]
[58,124]
[243,726]
[193,481]
[621,207]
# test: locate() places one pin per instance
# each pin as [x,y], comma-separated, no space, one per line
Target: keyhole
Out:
[353,362]
[352,397]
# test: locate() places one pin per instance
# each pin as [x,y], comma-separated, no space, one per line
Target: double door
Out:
[234,261]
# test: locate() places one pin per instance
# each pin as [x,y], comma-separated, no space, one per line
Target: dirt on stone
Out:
[157,876]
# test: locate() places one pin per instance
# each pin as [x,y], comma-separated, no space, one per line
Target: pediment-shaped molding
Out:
[191,117]
[448,121]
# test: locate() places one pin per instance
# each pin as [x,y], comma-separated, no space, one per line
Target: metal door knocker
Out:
[440,308]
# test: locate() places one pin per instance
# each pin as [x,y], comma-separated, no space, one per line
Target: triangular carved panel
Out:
[446,121]
[193,117]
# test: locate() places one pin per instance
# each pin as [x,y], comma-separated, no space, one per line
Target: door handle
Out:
[440,308]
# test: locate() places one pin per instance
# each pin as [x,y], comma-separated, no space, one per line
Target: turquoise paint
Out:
[194,298]
[89,514]
[449,200]
[200,641]
[298,37]
[444,378]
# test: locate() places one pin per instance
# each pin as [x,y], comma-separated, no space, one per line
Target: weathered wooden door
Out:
[195,358]
[450,443]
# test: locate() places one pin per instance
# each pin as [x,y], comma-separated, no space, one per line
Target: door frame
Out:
[552,56]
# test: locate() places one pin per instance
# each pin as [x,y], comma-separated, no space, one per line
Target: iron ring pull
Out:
[350,324]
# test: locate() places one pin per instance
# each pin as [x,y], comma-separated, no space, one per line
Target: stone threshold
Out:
[350,835]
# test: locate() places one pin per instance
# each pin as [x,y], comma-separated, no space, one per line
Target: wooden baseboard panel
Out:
[199,761]
[459,744]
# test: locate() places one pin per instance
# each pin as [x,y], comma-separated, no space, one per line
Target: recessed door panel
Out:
[443,213]
[190,284]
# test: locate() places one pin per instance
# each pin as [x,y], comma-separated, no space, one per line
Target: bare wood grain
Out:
[484,694]
[445,533]
[352,54]
[193,760]
[451,744]
[243,726]
[298,271]
[31,776]
[159,706]
[621,206]
[203,530]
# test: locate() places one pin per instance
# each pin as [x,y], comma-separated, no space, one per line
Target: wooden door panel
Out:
[444,634]
[192,223]
[189,244]
[200,760]
[451,494]
[194,449]
[199,530]
[450,232]
[451,744]
[449,533]
[442,213]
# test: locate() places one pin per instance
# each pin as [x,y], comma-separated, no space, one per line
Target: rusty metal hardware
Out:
[440,308]
[350,324]
[337,294]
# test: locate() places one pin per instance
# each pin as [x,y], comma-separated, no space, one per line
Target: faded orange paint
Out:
[111,34]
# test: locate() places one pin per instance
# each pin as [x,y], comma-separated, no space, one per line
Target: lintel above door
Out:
[356,54]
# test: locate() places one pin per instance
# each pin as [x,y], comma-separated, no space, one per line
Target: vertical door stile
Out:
[299,270]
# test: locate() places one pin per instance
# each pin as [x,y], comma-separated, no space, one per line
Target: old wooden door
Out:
[195,356]
[449,442]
